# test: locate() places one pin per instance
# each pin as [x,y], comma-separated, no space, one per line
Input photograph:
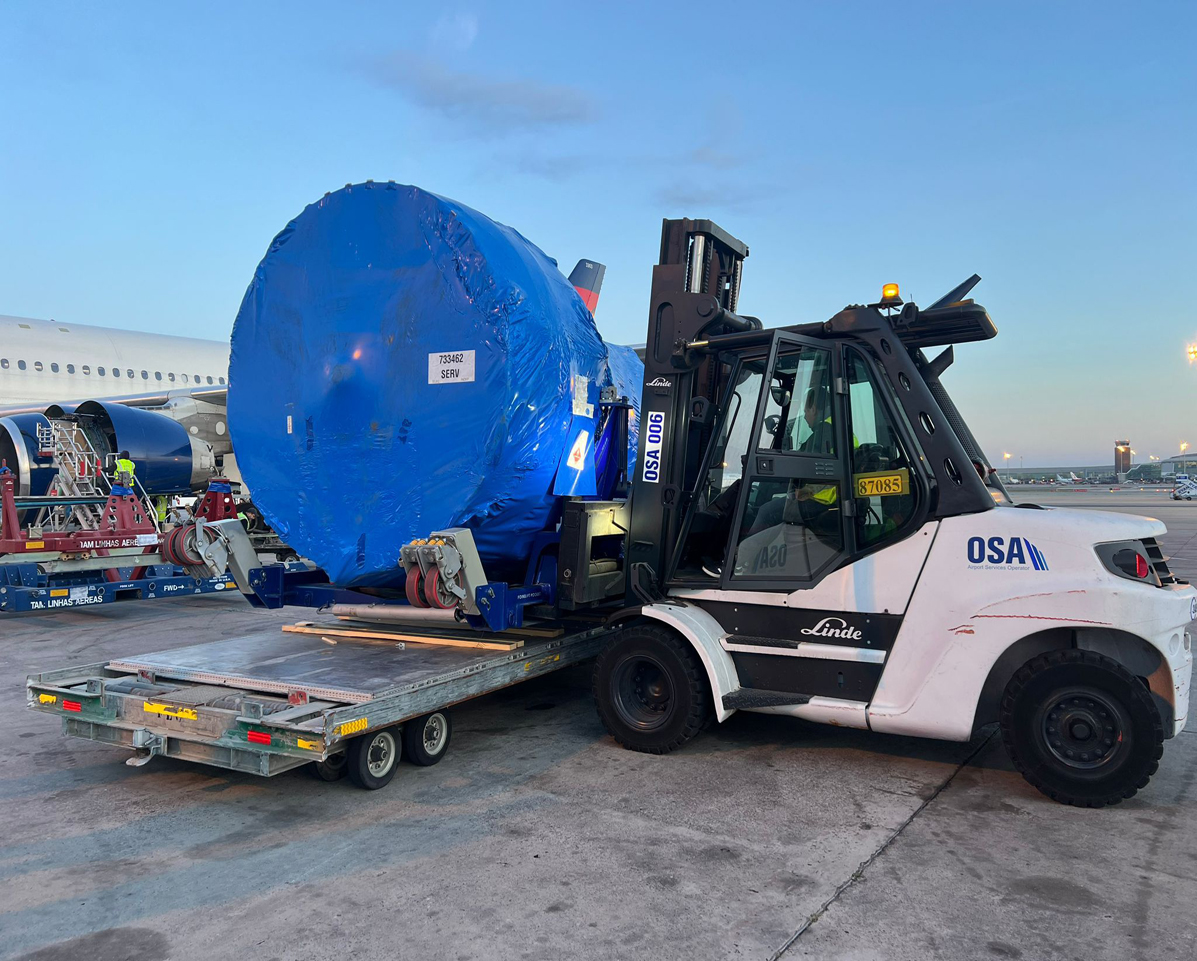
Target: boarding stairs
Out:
[78,495]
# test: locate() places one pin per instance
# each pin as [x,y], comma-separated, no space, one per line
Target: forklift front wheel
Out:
[426,739]
[333,769]
[1081,728]
[650,689]
[372,758]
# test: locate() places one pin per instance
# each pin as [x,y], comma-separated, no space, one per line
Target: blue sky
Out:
[148,154]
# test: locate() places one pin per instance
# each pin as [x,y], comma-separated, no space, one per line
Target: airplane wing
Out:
[209,395]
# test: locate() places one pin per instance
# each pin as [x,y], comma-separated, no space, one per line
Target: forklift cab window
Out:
[716,497]
[881,470]
[791,526]
[798,416]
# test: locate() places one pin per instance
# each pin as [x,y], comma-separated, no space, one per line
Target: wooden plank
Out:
[481,644]
[526,631]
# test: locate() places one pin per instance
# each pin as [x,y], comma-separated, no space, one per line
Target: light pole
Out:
[1184,446]
[1006,459]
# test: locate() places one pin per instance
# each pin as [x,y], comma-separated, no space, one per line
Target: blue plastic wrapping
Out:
[401,364]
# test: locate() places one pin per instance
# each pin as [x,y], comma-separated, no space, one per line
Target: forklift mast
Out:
[695,289]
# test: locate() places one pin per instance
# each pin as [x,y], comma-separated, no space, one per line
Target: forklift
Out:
[816,533]
[811,531]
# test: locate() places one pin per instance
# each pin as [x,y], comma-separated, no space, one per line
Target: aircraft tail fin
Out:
[587,278]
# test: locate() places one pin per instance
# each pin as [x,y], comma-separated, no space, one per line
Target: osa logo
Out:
[996,552]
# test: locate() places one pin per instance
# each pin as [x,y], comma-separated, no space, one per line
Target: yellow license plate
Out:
[882,483]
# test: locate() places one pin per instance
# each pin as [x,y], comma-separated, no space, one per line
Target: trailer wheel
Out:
[1081,728]
[373,758]
[426,739]
[650,690]
[332,769]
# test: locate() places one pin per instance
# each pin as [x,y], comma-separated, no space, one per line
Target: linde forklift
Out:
[811,531]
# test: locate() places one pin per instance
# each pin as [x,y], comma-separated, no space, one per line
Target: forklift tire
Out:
[1081,728]
[333,769]
[426,739]
[650,689]
[373,758]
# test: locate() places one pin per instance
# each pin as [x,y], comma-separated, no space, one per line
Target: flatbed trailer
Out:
[270,701]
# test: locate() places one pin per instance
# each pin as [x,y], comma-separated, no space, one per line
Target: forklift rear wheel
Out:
[373,757]
[650,689]
[426,739]
[1081,728]
[333,769]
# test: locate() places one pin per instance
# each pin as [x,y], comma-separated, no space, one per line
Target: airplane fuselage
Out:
[46,362]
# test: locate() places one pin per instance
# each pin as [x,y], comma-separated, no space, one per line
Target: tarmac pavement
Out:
[538,837]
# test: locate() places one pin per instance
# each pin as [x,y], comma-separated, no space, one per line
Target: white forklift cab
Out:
[815,533]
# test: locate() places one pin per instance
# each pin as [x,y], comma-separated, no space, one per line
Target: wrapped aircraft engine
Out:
[401,364]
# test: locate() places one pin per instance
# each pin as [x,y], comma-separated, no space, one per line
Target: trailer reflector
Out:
[183,713]
[47,698]
[258,737]
[352,727]
[307,745]
[72,706]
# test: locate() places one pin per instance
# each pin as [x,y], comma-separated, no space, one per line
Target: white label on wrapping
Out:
[454,367]
[145,540]
[581,390]
[290,425]
[79,593]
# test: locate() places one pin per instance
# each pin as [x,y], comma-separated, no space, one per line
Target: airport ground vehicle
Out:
[87,541]
[812,531]
[1184,487]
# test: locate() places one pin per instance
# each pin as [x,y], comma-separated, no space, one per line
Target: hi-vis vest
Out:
[125,465]
[830,494]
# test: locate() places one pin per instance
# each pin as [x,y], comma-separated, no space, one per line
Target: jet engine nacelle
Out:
[19,452]
[169,459]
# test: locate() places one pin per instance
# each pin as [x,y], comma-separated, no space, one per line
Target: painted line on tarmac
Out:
[858,874]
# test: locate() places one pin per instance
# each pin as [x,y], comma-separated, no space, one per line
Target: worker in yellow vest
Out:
[122,474]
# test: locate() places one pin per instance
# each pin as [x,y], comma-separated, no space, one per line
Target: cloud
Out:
[686,198]
[487,106]
[456,31]
[708,156]
[547,167]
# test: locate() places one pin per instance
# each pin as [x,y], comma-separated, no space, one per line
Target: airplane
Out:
[45,362]
[1070,479]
